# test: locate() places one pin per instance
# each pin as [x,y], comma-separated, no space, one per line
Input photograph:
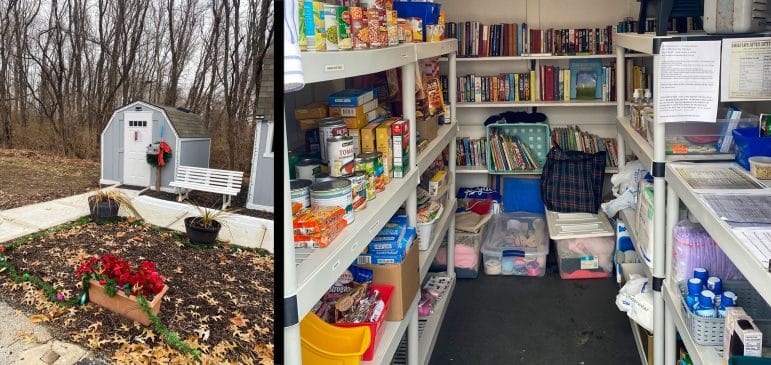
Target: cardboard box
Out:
[428,128]
[400,131]
[647,343]
[405,279]
[739,340]
[308,124]
[361,121]
[351,97]
[437,182]
[311,111]
[384,145]
[353,111]
[355,134]
[367,137]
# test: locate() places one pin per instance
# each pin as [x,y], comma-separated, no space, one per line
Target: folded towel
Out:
[465,257]
[293,68]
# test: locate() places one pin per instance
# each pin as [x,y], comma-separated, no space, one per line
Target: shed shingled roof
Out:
[187,125]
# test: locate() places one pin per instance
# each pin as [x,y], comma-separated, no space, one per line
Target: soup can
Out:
[358,189]
[307,167]
[340,155]
[322,176]
[328,128]
[300,194]
[333,193]
[368,163]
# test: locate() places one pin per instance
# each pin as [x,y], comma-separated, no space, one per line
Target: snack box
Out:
[393,256]
[400,131]
[384,145]
[351,97]
[367,137]
[436,182]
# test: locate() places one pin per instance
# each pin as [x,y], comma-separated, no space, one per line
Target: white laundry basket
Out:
[425,230]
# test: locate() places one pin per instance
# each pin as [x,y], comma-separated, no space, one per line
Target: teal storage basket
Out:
[536,136]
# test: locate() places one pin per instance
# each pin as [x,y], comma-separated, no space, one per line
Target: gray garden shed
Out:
[262,194]
[133,127]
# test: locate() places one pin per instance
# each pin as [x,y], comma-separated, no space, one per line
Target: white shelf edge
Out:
[701,355]
[317,272]
[725,238]
[638,342]
[434,49]
[334,65]
[527,104]
[433,324]
[470,170]
[438,233]
[640,147]
[445,135]
[628,215]
[388,342]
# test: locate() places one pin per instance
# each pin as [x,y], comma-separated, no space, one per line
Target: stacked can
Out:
[328,128]
[333,193]
[308,167]
[340,155]
[359,185]
[300,194]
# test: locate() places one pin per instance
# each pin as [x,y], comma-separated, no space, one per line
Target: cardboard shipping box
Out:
[428,128]
[405,279]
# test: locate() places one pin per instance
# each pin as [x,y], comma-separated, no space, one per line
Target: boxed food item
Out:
[401,143]
[585,258]
[344,40]
[404,276]
[384,145]
[436,183]
[316,110]
[367,137]
[374,23]
[359,27]
[351,97]
[331,26]
[318,26]
[741,337]
[516,244]
[356,135]
[353,111]
[394,255]
[307,124]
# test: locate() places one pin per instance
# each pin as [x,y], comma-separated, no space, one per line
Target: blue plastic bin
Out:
[522,194]
[429,12]
[748,143]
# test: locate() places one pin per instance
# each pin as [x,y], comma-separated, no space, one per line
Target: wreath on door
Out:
[158,154]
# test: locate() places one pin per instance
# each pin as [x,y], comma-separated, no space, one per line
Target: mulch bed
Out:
[211,200]
[220,300]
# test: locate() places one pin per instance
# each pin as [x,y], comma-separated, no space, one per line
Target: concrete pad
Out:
[44,215]
[68,354]
[11,345]
[10,230]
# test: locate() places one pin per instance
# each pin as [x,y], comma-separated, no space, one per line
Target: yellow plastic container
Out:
[325,344]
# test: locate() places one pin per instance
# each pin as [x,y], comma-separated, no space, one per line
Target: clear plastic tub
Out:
[585,258]
[516,244]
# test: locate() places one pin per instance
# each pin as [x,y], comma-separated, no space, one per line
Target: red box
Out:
[375,328]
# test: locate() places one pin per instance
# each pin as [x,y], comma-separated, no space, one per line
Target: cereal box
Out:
[359,27]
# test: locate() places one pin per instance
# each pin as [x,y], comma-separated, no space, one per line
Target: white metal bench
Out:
[225,182]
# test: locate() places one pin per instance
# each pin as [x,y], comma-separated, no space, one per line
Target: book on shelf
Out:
[586,79]
[495,88]
[470,151]
[571,138]
[518,39]
[509,153]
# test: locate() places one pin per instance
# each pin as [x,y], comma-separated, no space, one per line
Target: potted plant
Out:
[204,228]
[104,205]
[115,284]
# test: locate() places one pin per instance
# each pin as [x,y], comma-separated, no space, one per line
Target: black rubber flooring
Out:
[524,320]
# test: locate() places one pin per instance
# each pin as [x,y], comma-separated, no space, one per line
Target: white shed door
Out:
[138,133]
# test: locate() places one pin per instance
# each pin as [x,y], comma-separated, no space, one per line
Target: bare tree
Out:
[180,30]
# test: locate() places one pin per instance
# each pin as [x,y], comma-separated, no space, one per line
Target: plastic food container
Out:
[425,231]
[585,258]
[516,244]
[760,166]
[325,344]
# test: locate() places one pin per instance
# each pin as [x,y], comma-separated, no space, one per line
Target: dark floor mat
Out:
[532,320]
[132,187]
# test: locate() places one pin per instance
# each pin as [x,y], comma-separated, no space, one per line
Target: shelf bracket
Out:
[290,311]
[657,282]
[658,169]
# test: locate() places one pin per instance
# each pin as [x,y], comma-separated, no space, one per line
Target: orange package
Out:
[314,220]
[322,238]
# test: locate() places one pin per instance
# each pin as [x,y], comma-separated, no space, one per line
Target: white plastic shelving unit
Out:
[666,317]
[310,272]
[639,269]
[628,216]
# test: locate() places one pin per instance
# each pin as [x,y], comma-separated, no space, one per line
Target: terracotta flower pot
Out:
[121,304]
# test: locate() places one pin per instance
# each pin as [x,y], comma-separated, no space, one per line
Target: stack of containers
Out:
[585,244]
[516,244]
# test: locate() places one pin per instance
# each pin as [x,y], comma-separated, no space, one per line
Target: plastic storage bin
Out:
[375,328]
[467,254]
[325,344]
[748,144]
[425,231]
[522,194]
[709,331]
[535,136]
[429,12]
[516,244]
[585,258]
[696,138]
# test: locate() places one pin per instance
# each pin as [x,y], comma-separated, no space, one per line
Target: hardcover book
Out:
[585,78]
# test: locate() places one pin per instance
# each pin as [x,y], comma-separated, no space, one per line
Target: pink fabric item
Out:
[465,257]
[600,247]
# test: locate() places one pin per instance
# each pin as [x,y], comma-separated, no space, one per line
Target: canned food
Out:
[344,40]
[328,128]
[333,193]
[299,194]
[340,155]
[293,160]
[331,26]
[358,189]
[322,176]
[369,163]
[416,25]
[307,167]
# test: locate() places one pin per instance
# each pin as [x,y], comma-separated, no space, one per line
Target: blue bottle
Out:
[728,300]
[715,285]
[706,306]
[694,288]
[702,274]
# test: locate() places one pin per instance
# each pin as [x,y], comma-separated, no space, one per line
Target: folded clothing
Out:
[466,257]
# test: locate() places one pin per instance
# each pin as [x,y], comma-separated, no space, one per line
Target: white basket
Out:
[425,230]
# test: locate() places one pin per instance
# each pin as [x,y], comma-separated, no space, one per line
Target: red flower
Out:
[144,280]
[102,282]
[2,249]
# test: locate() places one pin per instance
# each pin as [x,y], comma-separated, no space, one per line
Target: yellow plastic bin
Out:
[325,344]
